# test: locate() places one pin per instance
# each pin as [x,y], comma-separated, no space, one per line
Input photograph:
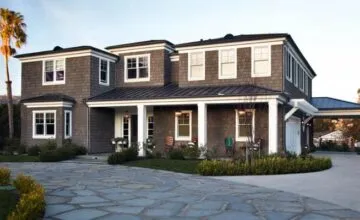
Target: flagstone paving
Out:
[96,191]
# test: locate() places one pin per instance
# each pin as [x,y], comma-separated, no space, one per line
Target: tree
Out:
[12,31]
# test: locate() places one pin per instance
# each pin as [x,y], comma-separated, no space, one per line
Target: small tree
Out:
[12,30]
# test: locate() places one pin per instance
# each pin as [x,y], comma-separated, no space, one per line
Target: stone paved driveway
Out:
[93,191]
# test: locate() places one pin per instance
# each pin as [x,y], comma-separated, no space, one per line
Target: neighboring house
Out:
[203,90]
[334,136]
[4,99]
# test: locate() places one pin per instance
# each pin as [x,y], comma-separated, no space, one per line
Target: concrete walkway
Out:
[339,185]
[95,191]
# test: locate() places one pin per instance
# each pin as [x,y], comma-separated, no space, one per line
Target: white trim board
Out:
[188,101]
[48,104]
[339,112]
[132,49]
[81,53]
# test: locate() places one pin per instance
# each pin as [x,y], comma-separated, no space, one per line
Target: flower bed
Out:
[31,204]
[264,166]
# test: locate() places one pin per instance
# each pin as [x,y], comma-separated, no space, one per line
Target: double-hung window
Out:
[54,72]
[104,72]
[296,78]
[287,62]
[150,130]
[183,126]
[44,124]
[227,64]
[293,68]
[261,65]
[306,85]
[301,79]
[137,68]
[245,125]
[67,124]
[196,66]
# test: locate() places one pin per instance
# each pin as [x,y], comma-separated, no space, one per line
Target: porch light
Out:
[241,112]
[126,114]
[178,113]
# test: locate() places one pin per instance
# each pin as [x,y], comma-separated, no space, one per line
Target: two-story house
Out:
[248,87]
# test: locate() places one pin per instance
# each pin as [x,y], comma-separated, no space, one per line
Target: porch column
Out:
[142,121]
[202,124]
[273,126]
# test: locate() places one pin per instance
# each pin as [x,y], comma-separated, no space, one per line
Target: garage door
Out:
[293,143]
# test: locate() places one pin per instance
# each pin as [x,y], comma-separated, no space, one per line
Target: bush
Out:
[4,176]
[59,154]
[263,166]
[126,155]
[176,154]
[34,151]
[13,145]
[191,152]
[48,146]
[32,199]
[77,149]
[332,146]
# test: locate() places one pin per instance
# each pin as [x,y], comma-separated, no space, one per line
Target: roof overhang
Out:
[188,101]
[338,113]
[132,49]
[48,104]
[304,106]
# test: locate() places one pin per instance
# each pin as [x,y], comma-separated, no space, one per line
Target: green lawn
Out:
[18,158]
[181,166]
[8,200]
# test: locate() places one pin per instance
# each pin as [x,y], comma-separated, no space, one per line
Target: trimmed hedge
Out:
[263,166]
[60,154]
[176,154]
[4,176]
[34,151]
[126,155]
[32,199]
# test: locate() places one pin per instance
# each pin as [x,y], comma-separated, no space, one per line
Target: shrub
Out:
[263,166]
[34,151]
[191,152]
[77,149]
[13,145]
[176,154]
[32,199]
[332,146]
[126,155]
[48,146]
[59,154]
[4,176]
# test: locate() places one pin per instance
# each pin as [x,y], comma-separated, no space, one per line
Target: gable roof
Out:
[64,50]
[50,97]
[140,43]
[172,91]
[327,103]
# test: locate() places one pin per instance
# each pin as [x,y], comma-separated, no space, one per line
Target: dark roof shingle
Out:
[171,91]
[327,103]
[140,43]
[50,97]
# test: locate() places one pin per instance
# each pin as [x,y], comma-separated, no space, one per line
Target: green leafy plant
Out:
[34,151]
[49,145]
[191,152]
[126,155]
[59,154]
[4,176]
[176,154]
[77,149]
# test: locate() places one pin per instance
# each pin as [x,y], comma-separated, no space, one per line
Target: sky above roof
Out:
[326,32]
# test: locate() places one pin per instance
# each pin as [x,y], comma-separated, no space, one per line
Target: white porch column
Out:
[202,124]
[273,126]
[142,121]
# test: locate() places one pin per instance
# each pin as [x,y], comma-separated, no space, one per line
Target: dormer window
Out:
[104,72]
[137,68]
[54,72]
[261,65]
[196,66]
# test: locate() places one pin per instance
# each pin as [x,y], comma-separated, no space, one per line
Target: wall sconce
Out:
[178,113]
[241,112]
[126,114]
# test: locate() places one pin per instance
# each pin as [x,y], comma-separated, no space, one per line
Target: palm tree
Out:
[12,30]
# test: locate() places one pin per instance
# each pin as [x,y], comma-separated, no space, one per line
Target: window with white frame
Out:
[306,85]
[183,125]
[44,124]
[137,68]
[150,130]
[261,61]
[126,129]
[293,68]
[227,64]
[54,72]
[196,66]
[296,78]
[288,65]
[104,69]
[67,123]
[301,79]
[245,123]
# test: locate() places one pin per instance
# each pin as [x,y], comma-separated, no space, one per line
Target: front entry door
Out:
[134,129]
[293,135]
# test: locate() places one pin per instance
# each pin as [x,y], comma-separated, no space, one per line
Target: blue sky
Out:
[327,32]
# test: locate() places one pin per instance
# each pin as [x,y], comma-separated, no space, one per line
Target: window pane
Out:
[59,67]
[49,66]
[131,73]
[39,118]
[261,67]
[261,53]
[103,65]
[59,75]
[131,62]
[184,130]
[196,71]
[197,58]
[227,69]
[49,76]
[39,129]
[50,118]
[50,129]
[103,76]
[143,73]
[245,130]
[143,61]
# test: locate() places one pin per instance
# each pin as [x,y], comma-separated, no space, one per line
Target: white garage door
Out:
[293,142]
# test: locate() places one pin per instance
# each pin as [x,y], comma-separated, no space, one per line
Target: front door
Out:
[293,134]
[134,129]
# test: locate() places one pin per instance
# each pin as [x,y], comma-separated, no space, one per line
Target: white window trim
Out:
[55,82]
[287,65]
[70,125]
[137,68]
[303,80]
[34,135]
[234,76]
[183,138]
[253,61]
[237,132]
[189,67]
[107,83]
[296,79]
[147,125]
[129,128]
[306,85]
